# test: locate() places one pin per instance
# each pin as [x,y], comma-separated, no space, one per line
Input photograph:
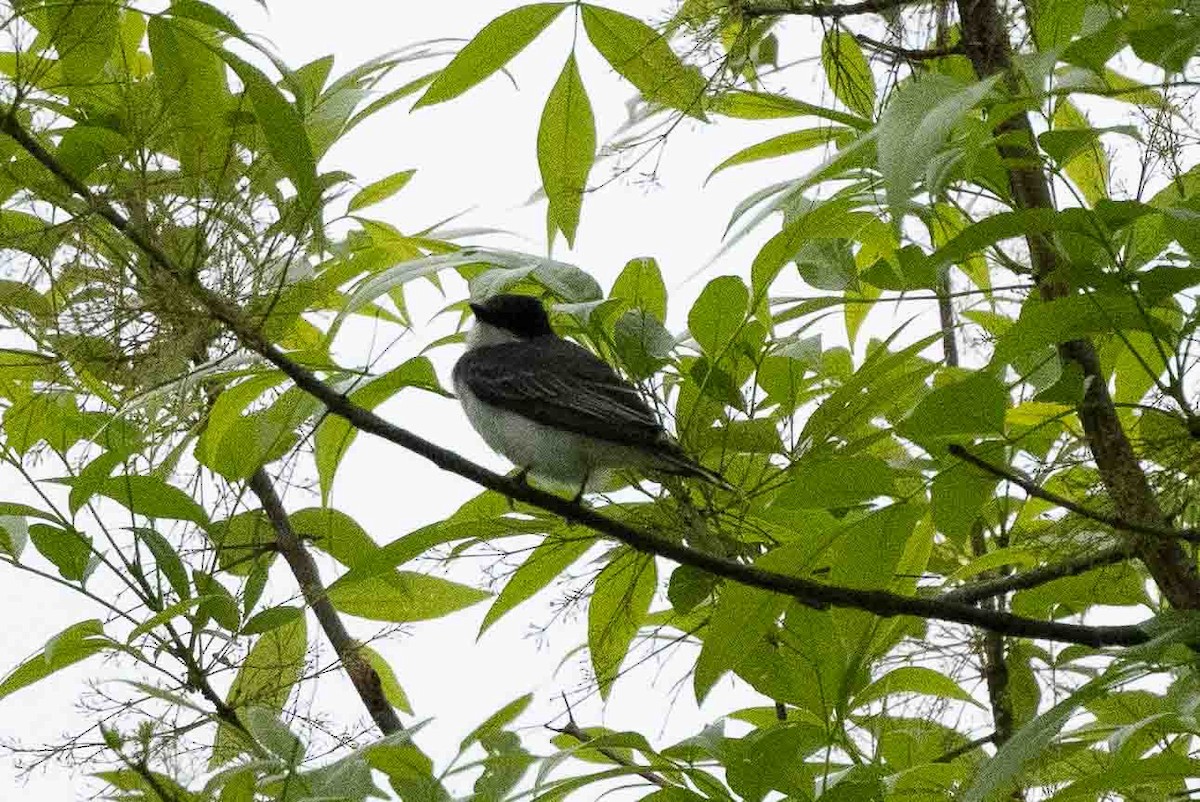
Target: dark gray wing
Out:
[558,383]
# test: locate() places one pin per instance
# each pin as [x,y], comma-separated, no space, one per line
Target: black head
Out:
[523,315]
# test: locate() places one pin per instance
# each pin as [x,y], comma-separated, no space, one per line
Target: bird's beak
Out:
[476,308]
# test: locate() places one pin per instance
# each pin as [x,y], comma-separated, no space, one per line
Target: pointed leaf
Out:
[76,642]
[719,313]
[282,127]
[972,407]
[392,691]
[566,148]
[402,596]
[545,563]
[847,72]
[641,285]
[380,190]
[492,48]
[783,145]
[152,497]
[620,600]
[643,57]
[912,679]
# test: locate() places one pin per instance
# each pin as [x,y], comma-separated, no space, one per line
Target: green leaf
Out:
[999,227]
[28,233]
[243,542]
[762,106]
[75,643]
[235,446]
[741,619]
[218,604]
[335,533]
[271,618]
[493,47]
[283,129]
[784,145]
[69,549]
[380,190]
[912,679]
[718,314]
[191,80]
[972,407]
[1005,767]
[497,721]
[152,497]
[19,295]
[1077,148]
[206,14]
[335,434]
[566,148]
[847,72]
[640,284]
[829,482]
[883,534]
[914,127]
[392,691]
[163,616]
[14,533]
[758,436]
[83,148]
[167,559]
[620,600]
[688,587]
[543,565]
[263,723]
[643,57]
[265,679]
[402,596]
[1043,324]
[960,491]
[642,343]
[84,34]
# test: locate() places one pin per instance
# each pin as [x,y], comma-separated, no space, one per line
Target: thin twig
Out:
[1035,490]
[969,746]
[572,729]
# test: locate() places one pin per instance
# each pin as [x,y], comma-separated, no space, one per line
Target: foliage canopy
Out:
[933,531]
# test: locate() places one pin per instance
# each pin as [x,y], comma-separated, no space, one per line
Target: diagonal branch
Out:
[978,591]
[1037,491]
[879,602]
[362,674]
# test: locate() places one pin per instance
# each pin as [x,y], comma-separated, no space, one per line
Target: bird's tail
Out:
[674,460]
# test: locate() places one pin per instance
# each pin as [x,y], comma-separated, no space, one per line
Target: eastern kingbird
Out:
[552,407]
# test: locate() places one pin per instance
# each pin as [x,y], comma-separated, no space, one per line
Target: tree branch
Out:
[879,602]
[362,674]
[766,8]
[908,54]
[969,746]
[985,38]
[1037,491]
[977,591]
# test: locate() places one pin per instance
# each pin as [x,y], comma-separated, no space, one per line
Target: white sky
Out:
[476,152]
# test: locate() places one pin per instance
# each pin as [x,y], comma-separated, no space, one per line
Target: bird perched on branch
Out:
[555,409]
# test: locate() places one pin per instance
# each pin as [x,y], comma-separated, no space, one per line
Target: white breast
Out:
[562,458]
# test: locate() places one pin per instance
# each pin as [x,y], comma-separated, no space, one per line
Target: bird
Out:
[553,408]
